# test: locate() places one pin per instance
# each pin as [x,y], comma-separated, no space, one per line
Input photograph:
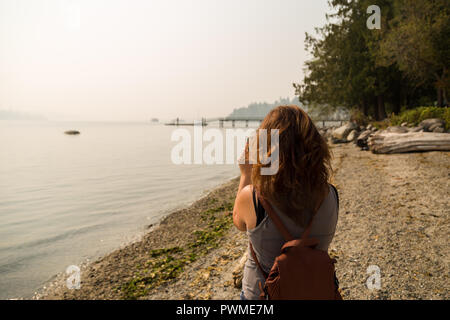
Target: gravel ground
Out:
[394,213]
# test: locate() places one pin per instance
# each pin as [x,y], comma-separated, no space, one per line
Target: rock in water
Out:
[72,132]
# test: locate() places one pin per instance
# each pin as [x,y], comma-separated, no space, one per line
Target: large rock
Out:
[439,130]
[435,126]
[416,129]
[426,124]
[352,135]
[361,141]
[340,134]
[72,132]
[397,129]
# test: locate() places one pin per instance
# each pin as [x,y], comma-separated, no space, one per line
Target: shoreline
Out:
[192,223]
[394,214]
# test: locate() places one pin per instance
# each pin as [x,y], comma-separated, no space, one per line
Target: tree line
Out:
[403,64]
[255,109]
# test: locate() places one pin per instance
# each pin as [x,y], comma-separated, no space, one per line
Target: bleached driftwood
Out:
[389,142]
[239,270]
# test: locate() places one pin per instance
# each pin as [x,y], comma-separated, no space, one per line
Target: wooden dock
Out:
[246,120]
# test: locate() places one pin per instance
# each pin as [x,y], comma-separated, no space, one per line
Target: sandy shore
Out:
[394,213]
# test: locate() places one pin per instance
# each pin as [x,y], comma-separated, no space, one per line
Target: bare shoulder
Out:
[243,207]
[245,194]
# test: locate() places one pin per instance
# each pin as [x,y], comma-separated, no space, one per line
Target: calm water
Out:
[64,199]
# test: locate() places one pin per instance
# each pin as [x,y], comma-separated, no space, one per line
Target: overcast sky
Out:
[138,59]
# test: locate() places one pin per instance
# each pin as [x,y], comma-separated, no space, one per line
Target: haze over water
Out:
[67,198]
[64,198]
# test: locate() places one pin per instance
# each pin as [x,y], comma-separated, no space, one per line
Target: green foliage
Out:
[418,42]
[357,116]
[415,116]
[158,252]
[381,125]
[166,264]
[377,70]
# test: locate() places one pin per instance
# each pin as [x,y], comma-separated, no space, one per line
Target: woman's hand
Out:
[245,167]
[240,204]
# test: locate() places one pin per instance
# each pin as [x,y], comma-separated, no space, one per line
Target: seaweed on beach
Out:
[166,264]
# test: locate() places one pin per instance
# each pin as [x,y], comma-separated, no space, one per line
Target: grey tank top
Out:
[267,241]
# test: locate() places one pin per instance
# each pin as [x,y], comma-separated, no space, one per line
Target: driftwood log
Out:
[390,142]
[238,271]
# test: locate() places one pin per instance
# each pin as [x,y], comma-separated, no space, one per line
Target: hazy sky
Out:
[137,59]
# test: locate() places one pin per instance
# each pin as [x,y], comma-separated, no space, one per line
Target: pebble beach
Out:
[394,214]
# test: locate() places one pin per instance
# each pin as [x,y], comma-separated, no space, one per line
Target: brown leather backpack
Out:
[300,272]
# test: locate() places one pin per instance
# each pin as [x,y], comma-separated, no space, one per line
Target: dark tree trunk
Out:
[445,98]
[375,109]
[365,108]
[440,97]
[397,103]
[381,108]
[408,101]
[397,107]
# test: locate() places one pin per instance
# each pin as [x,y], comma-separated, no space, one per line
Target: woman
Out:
[295,191]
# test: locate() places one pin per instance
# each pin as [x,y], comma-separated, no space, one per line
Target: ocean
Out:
[68,198]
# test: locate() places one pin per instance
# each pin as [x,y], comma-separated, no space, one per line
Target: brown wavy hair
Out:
[301,182]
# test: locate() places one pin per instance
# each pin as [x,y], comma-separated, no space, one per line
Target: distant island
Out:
[261,109]
[258,110]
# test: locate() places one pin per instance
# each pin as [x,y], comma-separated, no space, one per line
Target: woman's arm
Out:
[246,179]
[240,208]
[243,195]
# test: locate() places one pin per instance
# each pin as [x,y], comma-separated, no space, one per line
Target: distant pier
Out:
[245,120]
[220,120]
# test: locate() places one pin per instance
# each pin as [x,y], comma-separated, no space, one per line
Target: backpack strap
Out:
[281,227]
[278,223]
[265,274]
[305,234]
[275,218]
